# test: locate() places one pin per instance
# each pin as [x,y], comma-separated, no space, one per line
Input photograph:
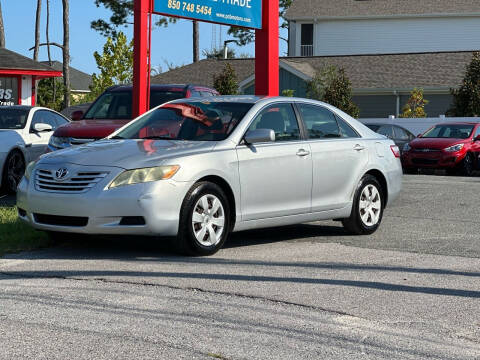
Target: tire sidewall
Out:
[467,169]
[5,183]
[186,234]
[368,180]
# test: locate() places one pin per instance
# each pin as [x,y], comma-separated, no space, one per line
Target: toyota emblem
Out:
[61,174]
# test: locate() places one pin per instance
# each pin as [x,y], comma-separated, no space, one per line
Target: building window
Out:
[306,46]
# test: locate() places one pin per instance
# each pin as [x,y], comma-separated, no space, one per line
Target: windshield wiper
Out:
[117,137]
[157,138]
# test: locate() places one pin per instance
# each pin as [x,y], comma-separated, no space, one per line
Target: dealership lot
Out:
[411,290]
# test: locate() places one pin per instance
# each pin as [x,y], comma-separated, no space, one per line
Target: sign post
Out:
[261,15]
[266,51]
[141,57]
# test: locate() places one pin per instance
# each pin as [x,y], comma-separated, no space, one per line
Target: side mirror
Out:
[419,135]
[77,115]
[41,127]
[477,138]
[259,136]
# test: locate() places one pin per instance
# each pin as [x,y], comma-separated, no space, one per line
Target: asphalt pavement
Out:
[409,291]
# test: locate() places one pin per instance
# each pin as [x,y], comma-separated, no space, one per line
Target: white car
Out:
[24,135]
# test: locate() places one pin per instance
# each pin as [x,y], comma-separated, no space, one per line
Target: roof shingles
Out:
[10,60]
[313,9]
[398,71]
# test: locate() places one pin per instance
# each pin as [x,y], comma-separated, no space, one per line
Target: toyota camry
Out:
[198,169]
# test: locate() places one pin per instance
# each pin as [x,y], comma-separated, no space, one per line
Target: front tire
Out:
[204,220]
[367,209]
[466,166]
[13,171]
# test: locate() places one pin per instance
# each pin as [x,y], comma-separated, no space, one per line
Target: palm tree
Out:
[37,30]
[66,52]
[2,30]
[196,40]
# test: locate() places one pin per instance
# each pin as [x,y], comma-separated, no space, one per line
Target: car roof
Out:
[19,107]
[460,123]
[249,99]
[165,87]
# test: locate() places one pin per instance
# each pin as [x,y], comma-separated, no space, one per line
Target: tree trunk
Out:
[37,30]
[47,35]
[196,40]
[66,53]
[2,30]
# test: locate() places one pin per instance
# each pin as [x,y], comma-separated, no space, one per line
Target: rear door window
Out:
[400,133]
[320,122]
[386,130]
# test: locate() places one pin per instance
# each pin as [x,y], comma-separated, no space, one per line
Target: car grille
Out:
[425,161]
[425,150]
[61,220]
[80,182]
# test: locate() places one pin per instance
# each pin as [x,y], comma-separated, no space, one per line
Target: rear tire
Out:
[13,171]
[367,208]
[204,220]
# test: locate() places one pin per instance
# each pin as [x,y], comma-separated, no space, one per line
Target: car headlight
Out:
[144,175]
[29,169]
[59,142]
[454,148]
[406,147]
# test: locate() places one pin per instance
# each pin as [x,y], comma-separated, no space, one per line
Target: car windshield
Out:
[12,119]
[455,131]
[197,121]
[118,104]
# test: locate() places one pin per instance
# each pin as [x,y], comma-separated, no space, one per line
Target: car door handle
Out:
[358,147]
[303,152]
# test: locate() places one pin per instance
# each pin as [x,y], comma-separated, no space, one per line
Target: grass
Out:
[16,236]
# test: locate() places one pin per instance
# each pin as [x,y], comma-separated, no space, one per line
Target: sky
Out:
[172,44]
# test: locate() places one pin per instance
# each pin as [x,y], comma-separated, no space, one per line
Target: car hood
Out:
[127,154]
[91,129]
[434,143]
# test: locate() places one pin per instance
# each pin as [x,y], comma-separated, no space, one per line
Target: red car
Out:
[113,109]
[454,147]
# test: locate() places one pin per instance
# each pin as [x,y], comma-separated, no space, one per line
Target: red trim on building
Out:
[34,88]
[39,73]
[19,89]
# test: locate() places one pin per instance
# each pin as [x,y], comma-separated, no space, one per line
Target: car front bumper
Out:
[433,160]
[105,211]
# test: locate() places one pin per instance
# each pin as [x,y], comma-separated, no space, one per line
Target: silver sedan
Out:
[198,169]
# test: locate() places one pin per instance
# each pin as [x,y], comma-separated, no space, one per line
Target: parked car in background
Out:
[68,112]
[24,135]
[113,109]
[199,169]
[398,134]
[454,147]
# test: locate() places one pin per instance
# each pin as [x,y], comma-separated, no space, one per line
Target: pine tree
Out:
[332,86]
[466,99]
[226,82]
